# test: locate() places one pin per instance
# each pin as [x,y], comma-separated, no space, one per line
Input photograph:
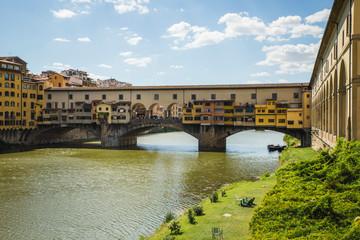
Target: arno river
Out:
[93,193]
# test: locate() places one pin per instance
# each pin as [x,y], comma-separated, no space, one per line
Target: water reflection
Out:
[93,193]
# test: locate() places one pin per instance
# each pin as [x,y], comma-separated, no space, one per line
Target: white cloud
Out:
[124,6]
[140,62]
[104,66]
[133,40]
[160,73]
[95,76]
[290,58]
[193,36]
[254,82]
[61,40]
[124,28]
[81,1]
[58,66]
[125,54]
[321,16]
[85,12]
[260,74]
[187,36]
[283,81]
[63,13]
[181,10]
[84,39]
[177,66]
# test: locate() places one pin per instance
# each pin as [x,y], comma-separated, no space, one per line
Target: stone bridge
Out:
[210,137]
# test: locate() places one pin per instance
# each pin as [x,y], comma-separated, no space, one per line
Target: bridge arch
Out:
[174,110]
[342,100]
[156,110]
[138,111]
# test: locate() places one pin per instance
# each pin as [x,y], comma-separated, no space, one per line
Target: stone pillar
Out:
[306,138]
[115,136]
[127,141]
[210,139]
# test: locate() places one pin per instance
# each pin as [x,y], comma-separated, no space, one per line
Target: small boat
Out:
[273,148]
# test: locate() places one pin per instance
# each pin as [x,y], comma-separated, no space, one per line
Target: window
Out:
[17,68]
[24,114]
[32,105]
[271,111]
[63,105]
[281,120]
[300,122]
[343,37]
[40,88]
[174,96]
[188,110]
[213,96]
[233,96]
[335,51]
[70,96]
[300,114]
[138,96]
[40,97]
[296,95]
[253,96]
[6,76]
[6,94]
[261,120]
[49,96]
[271,120]
[238,110]
[86,96]
[12,77]
[48,105]
[307,106]
[274,96]
[6,103]
[228,104]
[291,122]
[12,94]
[10,67]
[307,95]
[193,96]
[198,110]
[12,85]
[307,117]
[121,97]
[156,96]
[7,84]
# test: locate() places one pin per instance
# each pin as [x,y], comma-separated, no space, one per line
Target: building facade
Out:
[335,81]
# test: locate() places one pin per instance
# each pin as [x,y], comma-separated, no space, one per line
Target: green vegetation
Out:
[291,141]
[234,227]
[316,198]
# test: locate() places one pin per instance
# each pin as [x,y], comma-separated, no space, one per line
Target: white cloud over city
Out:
[139,62]
[187,36]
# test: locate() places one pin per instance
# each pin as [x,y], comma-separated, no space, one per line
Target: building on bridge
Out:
[335,81]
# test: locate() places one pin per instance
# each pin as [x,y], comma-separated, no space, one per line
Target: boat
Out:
[273,148]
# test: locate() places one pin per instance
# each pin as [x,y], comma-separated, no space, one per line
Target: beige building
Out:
[335,80]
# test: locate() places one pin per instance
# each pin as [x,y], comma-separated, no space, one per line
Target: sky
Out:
[168,42]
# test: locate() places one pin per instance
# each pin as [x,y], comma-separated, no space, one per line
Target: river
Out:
[94,193]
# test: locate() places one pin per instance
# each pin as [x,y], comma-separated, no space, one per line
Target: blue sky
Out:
[168,42]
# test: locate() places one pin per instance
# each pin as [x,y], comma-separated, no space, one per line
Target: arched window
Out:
[12,104]
[12,94]
[12,114]
[7,84]
[6,103]
[6,94]
[6,76]
[6,114]
[40,88]
[12,85]
[12,77]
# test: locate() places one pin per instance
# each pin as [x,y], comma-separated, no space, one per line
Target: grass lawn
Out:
[234,227]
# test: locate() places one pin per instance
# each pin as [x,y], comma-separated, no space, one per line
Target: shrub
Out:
[265,175]
[168,237]
[214,197]
[191,216]
[169,217]
[223,193]
[174,227]
[198,210]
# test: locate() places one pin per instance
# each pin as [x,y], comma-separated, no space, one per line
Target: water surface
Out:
[74,193]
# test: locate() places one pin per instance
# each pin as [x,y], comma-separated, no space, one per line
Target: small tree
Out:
[198,210]
[191,216]
[214,197]
[174,227]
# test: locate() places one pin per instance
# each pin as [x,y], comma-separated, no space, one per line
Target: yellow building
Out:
[59,80]
[265,114]
[10,95]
